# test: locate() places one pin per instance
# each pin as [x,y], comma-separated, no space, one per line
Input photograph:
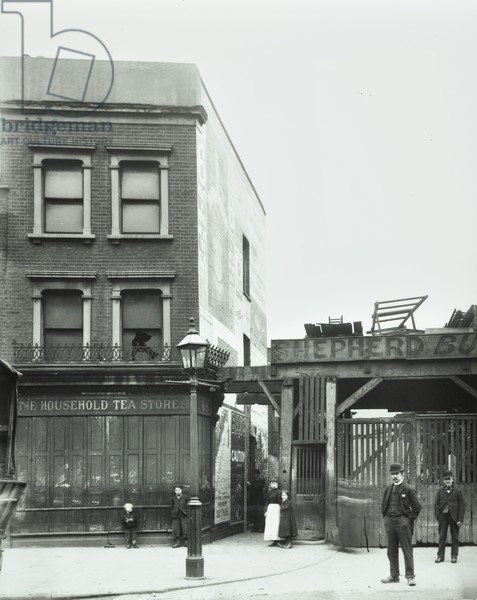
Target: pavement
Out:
[98,572]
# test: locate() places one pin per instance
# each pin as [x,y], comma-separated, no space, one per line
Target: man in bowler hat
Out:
[449,508]
[400,508]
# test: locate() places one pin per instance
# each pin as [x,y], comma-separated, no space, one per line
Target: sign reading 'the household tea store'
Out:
[110,406]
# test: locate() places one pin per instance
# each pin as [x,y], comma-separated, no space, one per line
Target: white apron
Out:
[272,521]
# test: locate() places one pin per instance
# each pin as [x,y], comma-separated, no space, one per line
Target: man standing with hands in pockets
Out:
[400,508]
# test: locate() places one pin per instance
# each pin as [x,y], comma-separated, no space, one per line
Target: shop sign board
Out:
[49,405]
[388,347]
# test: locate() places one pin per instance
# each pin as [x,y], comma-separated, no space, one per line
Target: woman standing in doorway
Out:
[272,514]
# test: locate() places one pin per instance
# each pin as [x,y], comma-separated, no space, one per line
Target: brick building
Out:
[121,219]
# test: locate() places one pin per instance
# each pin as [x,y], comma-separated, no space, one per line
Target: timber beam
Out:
[465,386]
[271,399]
[363,390]
[248,399]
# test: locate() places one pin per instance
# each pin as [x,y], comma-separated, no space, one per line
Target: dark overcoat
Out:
[179,516]
[129,520]
[408,500]
[454,500]
[287,527]
[256,496]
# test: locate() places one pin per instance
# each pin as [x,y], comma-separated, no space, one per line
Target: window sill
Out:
[37,238]
[116,238]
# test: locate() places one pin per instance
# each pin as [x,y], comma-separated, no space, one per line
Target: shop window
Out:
[61,192]
[62,318]
[140,198]
[246,266]
[141,324]
[63,196]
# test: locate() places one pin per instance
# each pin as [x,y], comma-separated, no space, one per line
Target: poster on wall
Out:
[222,467]
[237,483]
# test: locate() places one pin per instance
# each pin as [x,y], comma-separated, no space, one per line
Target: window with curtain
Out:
[63,196]
[140,197]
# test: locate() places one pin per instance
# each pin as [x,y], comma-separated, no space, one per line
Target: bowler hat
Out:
[396,468]
[447,473]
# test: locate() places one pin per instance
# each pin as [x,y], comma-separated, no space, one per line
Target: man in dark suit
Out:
[400,508]
[449,508]
[180,524]
[256,501]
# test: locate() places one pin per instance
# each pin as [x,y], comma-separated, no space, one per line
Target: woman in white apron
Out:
[272,514]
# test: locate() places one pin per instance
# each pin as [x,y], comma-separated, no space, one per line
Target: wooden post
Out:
[331,529]
[286,434]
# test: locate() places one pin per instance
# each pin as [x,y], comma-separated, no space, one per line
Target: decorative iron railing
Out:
[216,357]
[93,353]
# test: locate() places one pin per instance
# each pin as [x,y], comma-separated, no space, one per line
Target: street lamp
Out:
[193,351]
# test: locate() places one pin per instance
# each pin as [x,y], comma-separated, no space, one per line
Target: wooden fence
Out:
[425,445]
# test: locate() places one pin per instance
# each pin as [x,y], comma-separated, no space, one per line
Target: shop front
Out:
[87,445]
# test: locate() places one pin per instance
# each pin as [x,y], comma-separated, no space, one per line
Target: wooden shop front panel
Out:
[81,469]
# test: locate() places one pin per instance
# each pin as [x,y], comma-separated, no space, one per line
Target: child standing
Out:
[129,522]
[180,525]
[287,528]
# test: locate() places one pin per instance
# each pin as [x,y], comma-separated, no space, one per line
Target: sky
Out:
[356,121]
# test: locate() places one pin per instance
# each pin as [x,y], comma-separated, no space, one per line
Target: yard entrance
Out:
[425,445]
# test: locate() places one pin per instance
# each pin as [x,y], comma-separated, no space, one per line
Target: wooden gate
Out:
[425,445]
[308,490]
[309,457]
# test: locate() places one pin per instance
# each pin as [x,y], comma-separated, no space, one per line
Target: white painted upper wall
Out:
[228,209]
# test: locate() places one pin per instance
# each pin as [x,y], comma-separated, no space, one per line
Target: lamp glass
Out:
[193,357]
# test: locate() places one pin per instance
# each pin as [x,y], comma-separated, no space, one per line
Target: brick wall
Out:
[179,254]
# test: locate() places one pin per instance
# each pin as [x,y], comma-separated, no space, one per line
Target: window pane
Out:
[154,342]
[140,182]
[63,217]
[63,180]
[62,310]
[65,337]
[140,218]
[141,310]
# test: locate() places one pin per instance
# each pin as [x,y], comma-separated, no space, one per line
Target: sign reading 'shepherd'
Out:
[391,347]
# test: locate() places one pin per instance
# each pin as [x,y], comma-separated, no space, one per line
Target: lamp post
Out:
[193,351]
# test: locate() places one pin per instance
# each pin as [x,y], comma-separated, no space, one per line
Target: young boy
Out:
[180,525]
[129,522]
